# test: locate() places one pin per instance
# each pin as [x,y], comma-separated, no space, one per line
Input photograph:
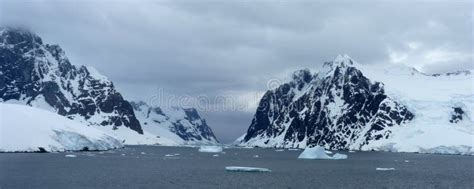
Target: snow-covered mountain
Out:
[40,75]
[183,125]
[28,129]
[347,105]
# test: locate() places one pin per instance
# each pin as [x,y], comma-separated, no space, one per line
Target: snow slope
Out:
[180,125]
[432,98]
[27,129]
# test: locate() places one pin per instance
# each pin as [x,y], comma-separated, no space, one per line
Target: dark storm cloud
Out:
[233,48]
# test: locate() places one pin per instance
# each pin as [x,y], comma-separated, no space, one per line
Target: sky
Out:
[221,57]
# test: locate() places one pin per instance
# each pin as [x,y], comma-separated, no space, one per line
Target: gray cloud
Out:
[214,48]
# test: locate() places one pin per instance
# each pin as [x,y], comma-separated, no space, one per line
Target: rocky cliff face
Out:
[181,124]
[41,75]
[338,108]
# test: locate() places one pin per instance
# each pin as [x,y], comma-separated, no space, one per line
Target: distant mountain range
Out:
[347,105]
[40,75]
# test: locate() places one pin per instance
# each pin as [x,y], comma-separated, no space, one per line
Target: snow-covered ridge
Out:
[335,109]
[28,129]
[182,125]
[40,75]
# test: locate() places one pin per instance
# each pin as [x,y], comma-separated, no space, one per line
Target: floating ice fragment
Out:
[246,169]
[143,153]
[255,156]
[279,150]
[328,152]
[318,152]
[407,161]
[384,169]
[351,151]
[122,154]
[339,156]
[210,149]
[70,155]
[216,155]
[294,149]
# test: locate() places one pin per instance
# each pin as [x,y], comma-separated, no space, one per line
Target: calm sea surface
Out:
[149,167]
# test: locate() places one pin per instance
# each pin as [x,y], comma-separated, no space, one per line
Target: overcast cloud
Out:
[209,48]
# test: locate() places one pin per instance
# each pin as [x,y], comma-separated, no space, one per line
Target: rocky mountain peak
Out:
[41,75]
[338,109]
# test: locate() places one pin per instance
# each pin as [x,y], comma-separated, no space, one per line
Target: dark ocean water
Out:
[130,168]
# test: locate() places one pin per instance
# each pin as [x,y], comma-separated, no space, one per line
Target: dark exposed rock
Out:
[457,115]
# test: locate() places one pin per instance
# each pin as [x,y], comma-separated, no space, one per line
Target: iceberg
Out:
[246,169]
[339,156]
[210,149]
[70,156]
[384,169]
[171,155]
[318,152]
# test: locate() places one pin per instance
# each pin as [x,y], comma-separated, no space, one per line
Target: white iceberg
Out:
[339,156]
[171,155]
[70,156]
[215,155]
[384,169]
[318,152]
[27,129]
[256,156]
[246,169]
[210,149]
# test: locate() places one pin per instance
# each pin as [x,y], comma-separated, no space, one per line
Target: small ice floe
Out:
[318,152]
[255,156]
[142,153]
[328,152]
[246,169]
[407,161]
[248,147]
[215,155]
[294,149]
[171,155]
[122,154]
[210,149]
[339,156]
[384,169]
[280,150]
[351,151]
[70,156]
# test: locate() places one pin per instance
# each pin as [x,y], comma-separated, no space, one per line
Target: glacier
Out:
[28,129]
